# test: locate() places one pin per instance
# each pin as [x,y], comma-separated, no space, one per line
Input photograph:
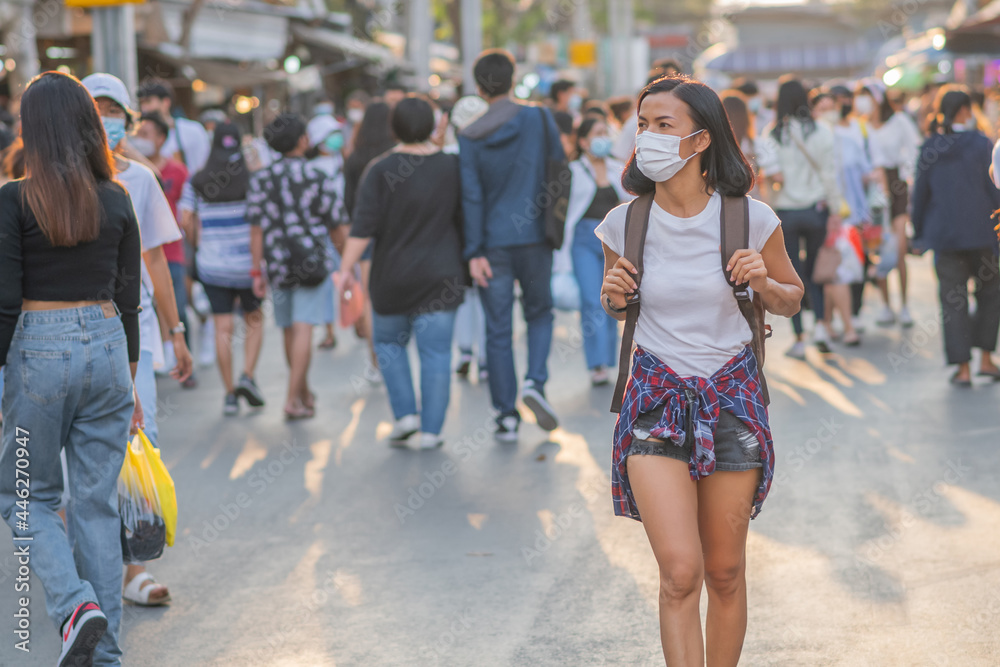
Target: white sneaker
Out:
[429,441]
[821,337]
[858,324]
[886,318]
[507,429]
[905,319]
[403,429]
[206,344]
[599,377]
[797,351]
[535,400]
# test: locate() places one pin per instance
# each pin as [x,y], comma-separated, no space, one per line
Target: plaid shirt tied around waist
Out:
[735,387]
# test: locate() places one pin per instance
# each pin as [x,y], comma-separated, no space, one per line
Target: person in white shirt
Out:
[188,140]
[690,336]
[797,156]
[595,189]
[157,227]
[894,143]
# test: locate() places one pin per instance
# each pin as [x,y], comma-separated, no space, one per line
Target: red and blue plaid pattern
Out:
[735,387]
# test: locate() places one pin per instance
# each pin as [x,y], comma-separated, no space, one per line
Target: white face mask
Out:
[864,104]
[355,115]
[831,117]
[658,156]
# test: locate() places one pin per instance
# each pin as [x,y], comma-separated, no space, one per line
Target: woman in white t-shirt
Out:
[694,407]
[894,143]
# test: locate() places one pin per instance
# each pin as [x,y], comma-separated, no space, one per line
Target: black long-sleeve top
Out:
[107,268]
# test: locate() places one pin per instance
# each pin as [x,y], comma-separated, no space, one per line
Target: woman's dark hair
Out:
[374,136]
[225,176]
[739,115]
[723,164]
[494,72]
[586,125]
[793,102]
[413,120]
[950,100]
[157,120]
[66,156]
[13,160]
[885,108]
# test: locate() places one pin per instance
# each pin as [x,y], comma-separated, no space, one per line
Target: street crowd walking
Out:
[136,241]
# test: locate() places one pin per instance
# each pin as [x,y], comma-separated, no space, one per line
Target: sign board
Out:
[582,53]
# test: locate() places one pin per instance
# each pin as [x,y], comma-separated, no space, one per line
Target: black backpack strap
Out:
[734,223]
[636,223]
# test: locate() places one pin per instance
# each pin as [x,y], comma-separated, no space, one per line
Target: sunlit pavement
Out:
[314,543]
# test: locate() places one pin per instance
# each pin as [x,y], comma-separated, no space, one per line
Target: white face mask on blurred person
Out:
[831,117]
[658,156]
[864,104]
[355,115]
[145,146]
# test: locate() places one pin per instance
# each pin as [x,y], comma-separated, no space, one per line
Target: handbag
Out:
[827,263]
[147,502]
[555,196]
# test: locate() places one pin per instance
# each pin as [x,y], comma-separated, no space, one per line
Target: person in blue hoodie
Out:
[503,161]
[953,200]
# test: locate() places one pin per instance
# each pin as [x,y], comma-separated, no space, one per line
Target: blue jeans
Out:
[433,331]
[69,388]
[600,330]
[178,276]
[145,387]
[531,266]
[804,226]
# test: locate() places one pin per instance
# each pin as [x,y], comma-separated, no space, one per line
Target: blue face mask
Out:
[600,146]
[115,129]
[335,142]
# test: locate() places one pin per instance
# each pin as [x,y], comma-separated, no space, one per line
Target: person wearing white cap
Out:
[157,227]
[326,141]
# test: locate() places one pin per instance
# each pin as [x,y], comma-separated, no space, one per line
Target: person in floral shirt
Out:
[292,207]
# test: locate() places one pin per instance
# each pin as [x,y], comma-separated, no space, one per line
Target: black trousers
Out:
[963,331]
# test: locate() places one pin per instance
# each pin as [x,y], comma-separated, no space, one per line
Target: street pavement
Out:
[315,544]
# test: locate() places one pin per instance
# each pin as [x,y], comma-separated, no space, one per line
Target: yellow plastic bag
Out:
[147,502]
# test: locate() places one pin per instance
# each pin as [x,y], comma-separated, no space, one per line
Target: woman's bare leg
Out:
[899,229]
[724,503]
[668,501]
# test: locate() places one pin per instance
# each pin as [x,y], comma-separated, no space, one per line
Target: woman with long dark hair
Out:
[894,143]
[953,199]
[213,205]
[372,138]
[69,341]
[594,190]
[692,450]
[797,156]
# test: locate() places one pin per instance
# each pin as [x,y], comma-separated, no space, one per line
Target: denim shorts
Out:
[301,304]
[736,446]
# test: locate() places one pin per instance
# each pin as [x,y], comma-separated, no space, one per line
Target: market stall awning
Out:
[770,58]
[220,72]
[979,33]
[349,45]
[226,32]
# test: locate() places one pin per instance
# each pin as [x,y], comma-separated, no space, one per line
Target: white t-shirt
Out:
[193,138]
[689,317]
[896,144]
[157,227]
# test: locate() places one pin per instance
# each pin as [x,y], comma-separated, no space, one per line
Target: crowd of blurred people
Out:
[429,214]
